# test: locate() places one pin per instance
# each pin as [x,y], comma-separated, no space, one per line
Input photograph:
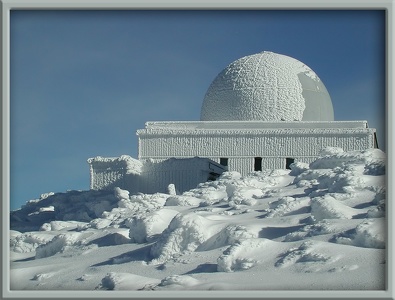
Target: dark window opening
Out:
[223,161]
[376,143]
[258,164]
[288,162]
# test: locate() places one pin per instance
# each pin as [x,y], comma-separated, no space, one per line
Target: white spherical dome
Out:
[267,87]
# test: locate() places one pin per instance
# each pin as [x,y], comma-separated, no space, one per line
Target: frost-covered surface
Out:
[164,140]
[125,162]
[269,87]
[319,226]
[110,172]
[252,124]
[150,175]
[184,173]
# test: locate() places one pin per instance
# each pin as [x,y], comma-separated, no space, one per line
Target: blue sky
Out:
[82,82]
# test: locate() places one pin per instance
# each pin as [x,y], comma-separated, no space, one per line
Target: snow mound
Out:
[244,195]
[298,168]
[332,157]
[230,176]
[286,205]
[375,168]
[320,228]
[242,255]
[100,223]
[27,242]
[145,228]
[59,243]
[327,207]
[62,225]
[125,281]
[209,193]
[121,194]
[183,200]
[229,235]
[81,206]
[306,252]
[179,280]
[43,276]
[378,211]
[134,205]
[185,233]
[369,234]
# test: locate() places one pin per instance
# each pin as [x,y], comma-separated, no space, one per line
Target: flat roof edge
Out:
[254,124]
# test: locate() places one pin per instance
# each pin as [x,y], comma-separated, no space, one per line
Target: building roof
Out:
[267,87]
[258,125]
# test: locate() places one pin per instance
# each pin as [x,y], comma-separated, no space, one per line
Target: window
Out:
[258,164]
[288,162]
[376,144]
[223,161]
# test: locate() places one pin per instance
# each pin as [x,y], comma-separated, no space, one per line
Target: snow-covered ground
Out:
[319,226]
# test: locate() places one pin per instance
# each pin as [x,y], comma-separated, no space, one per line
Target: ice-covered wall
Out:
[242,145]
[185,174]
[151,176]
[109,172]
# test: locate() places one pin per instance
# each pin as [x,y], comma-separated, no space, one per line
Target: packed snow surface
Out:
[318,226]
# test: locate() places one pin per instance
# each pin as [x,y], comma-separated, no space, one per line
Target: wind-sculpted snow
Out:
[59,243]
[367,234]
[145,228]
[242,255]
[326,218]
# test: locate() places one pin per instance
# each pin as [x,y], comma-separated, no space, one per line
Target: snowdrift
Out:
[317,226]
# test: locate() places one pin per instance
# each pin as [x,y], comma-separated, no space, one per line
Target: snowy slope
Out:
[315,227]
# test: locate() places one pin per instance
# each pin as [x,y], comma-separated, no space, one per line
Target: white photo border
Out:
[8,5]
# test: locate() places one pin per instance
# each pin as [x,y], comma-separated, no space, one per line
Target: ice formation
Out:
[242,143]
[268,87]
[149,176]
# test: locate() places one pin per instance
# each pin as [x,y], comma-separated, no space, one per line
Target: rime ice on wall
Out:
[185,174]
[269,87]
[150,176]
[242,142]
[108,172]
[217,125]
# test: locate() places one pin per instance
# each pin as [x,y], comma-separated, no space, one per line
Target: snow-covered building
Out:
[263,111]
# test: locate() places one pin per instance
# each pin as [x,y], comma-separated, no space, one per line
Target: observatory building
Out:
[263,111]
